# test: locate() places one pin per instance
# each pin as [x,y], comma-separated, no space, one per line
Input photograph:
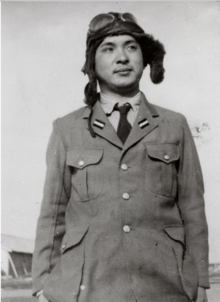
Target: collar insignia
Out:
[143,123]
[99,124]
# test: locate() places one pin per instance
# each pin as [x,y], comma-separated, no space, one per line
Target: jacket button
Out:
[166,157]
[63,246]
[126,229]
[124,167]
[81,163]
[126,196]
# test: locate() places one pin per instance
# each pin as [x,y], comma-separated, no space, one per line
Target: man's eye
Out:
[132,47]
[108,49]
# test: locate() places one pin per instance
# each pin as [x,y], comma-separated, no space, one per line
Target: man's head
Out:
[118,29]
[119,64]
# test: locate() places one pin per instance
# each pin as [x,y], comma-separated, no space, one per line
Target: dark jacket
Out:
[96,244]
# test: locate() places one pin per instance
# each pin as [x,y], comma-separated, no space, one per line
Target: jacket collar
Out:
[152,110]
[108,105]
[143,125]
[101,125]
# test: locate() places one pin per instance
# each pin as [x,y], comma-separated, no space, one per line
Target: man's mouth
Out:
[124,70]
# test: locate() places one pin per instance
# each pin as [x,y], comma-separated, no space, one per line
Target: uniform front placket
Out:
[125,200]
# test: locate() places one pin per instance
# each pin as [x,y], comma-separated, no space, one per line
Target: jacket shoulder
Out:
[72,123]
[72,116]
[170,115]
[71,119]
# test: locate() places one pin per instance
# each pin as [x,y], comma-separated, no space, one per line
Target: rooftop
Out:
[17,244]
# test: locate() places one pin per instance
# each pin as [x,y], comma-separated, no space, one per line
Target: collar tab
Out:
[142,124]
[99,124]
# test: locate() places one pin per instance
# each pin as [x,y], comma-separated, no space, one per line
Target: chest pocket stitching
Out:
[164,183]
[159,151]
[90,157]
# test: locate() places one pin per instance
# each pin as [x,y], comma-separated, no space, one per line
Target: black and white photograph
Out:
[110,151]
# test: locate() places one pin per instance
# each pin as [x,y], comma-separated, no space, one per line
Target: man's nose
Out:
[121,56]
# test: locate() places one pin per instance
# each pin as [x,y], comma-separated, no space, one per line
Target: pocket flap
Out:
[164,152]
[80,158]
[72,237]
[176,233]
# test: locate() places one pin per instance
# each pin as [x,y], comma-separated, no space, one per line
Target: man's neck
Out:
[120,98]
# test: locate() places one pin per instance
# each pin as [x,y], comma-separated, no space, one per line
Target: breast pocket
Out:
[161,168]
[87,173]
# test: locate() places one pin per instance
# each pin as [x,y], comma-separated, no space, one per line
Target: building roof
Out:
[17,244]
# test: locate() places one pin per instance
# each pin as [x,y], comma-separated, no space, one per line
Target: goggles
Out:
[100,21]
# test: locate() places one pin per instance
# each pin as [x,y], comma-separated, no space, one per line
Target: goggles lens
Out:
[102,20]
[128,17]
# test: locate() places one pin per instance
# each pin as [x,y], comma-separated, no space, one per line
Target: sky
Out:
[43,51]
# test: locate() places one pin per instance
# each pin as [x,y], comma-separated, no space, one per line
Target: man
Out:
[122,218]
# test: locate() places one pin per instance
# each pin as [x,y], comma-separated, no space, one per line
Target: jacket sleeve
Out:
[191,204]
[51,222]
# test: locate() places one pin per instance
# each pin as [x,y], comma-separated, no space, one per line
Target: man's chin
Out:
[125,86]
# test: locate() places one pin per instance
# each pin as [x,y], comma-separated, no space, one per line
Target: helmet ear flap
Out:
[153,54]
[90,91]
[157,72]
[156,63]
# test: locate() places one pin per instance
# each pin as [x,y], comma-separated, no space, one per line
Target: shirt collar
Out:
[108,103]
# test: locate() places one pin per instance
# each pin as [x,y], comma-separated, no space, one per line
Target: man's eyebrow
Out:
[113,44]
[107,44]
[131,41]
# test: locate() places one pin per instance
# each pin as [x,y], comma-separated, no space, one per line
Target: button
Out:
[126,229]
[166,156]
[126,196]
[63,246]
[124,167]
[81,163]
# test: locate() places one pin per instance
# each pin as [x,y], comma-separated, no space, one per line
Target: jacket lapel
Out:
[144,123]
[101,125]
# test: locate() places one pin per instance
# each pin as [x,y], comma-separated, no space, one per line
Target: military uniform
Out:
[122,223]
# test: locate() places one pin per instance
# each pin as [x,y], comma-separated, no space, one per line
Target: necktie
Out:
[124,127]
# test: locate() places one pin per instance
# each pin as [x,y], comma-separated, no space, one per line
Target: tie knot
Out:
[123,109]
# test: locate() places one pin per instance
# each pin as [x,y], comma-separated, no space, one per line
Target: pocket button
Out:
[166,157]
[126,196]
[126,229]
[124,167]
[81,163]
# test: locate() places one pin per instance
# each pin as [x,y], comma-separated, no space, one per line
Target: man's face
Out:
[119,64]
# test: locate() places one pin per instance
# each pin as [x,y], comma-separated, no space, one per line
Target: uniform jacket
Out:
[95,243]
